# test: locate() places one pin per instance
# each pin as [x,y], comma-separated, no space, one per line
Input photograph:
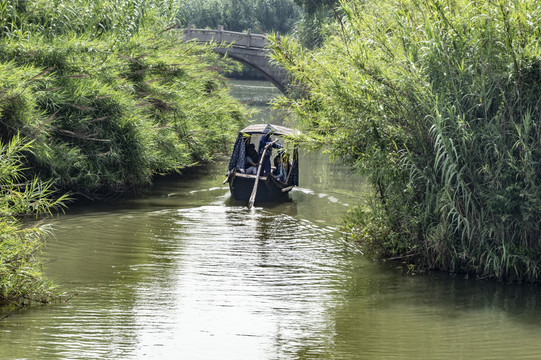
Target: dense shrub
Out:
[109,93]
[240,15]
[21,280]
[105,94]
[438,104]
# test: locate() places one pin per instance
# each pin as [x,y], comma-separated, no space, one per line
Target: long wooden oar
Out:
[230,175]
[254,190]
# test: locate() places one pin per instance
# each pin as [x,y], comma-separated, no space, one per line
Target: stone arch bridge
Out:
[247,48]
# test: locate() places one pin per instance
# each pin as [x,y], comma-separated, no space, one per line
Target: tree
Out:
[240,15]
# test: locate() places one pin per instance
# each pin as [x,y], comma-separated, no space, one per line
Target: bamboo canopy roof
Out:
[268,128]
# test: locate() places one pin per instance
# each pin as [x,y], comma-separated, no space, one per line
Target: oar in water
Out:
[254,190]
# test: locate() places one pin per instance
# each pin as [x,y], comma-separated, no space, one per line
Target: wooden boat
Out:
[270,187]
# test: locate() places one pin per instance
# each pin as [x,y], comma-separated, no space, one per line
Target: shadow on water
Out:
[387,314]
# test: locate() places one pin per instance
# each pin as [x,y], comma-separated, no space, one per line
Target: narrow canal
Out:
[184,272]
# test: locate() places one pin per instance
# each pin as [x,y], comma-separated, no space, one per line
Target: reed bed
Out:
[437,103]
[257,15]
[21,280]
[110,94]
[96,97]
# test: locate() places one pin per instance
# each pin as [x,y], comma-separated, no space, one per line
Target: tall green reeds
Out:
[21,280]
[111,94]
[108,94]
[438,104]
[237,15]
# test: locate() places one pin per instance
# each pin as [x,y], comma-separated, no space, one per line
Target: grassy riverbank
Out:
[437,103]
[108,95]
[20,277]
[111,99]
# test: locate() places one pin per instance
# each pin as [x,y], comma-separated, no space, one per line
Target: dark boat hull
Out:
[268,188]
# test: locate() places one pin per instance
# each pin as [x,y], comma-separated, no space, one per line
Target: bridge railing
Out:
[247,39]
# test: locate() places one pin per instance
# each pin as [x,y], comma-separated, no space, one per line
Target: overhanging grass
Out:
[109,108]
[107,94]
[437,103]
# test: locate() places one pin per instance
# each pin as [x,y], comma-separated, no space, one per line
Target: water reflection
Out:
[244,286]
[221,281]
[436,316]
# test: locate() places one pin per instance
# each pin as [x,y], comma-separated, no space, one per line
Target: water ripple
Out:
[206,280]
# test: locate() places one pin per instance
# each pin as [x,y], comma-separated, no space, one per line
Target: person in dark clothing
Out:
[251,160]
[264,141]
[279,170]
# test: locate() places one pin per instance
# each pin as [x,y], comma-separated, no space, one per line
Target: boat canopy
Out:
[238,155]
[268,128]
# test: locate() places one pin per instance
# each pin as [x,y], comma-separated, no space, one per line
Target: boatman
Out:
[264,141]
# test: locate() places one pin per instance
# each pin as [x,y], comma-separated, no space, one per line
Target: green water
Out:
[184,272]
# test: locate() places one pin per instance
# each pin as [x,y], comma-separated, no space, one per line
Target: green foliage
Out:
[124,18]
[316,21]
[437,103]
[313,28]
[312,6]
[106,95]
[20,276]
[21,280]
[241,15]
[109,93]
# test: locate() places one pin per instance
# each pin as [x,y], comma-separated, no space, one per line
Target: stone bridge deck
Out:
[236,39]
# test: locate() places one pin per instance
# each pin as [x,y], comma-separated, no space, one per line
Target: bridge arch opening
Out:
[259,69]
